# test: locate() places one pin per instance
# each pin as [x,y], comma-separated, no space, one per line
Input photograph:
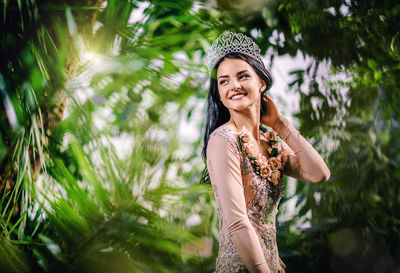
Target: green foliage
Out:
[357,208]
[93,209]
[99,225]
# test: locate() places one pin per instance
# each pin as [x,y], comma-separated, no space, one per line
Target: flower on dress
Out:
[244,135]
[265,170]
[276,174]
[274,162]
[269,149]
[283,157]
[268,168]
[250,149]
[278,146]
[261,160]
[271,136]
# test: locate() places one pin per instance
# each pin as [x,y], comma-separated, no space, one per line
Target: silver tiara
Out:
[229,42]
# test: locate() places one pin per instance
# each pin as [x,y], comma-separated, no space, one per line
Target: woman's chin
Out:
[240,107]
[242,104]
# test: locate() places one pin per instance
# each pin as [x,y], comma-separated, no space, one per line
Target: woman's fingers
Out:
[268,98]
[273,108]
[270,101]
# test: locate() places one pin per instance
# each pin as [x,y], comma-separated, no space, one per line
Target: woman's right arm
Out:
[304,163]
[223,165]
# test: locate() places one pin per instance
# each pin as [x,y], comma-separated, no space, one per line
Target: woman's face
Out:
[239,86]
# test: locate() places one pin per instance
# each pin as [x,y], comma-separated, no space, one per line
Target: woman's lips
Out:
[238,96]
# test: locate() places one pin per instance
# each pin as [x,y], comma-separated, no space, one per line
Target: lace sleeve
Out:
[223,163]
[304,161]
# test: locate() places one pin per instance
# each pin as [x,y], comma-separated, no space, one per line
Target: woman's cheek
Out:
[222,95]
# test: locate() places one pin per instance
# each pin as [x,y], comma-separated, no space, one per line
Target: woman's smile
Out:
[238,96]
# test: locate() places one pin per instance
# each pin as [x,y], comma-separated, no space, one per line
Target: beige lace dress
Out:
[247,204]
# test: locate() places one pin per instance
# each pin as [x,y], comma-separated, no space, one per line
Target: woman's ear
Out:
[263,85]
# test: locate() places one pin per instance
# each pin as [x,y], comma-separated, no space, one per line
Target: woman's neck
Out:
[249,118]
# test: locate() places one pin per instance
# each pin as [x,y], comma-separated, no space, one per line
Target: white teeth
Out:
[237,96]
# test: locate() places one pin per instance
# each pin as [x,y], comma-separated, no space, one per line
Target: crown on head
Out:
[229,42]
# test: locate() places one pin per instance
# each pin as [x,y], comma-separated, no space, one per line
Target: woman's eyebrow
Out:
[223,76]
[240,72]
[226,76]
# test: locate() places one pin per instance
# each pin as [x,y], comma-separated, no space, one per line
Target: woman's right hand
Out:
[271,113]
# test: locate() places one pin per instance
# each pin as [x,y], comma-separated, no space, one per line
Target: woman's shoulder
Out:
[226,132]
[223,138]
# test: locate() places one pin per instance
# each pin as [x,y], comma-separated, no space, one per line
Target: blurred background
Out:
[102,111]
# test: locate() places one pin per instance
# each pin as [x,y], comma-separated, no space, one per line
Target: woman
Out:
[245,159]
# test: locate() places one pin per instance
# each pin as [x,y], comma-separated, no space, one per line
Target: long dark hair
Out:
[217,113]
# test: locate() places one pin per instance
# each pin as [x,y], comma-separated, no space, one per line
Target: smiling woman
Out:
[237,81]
[217,113]
[245,159]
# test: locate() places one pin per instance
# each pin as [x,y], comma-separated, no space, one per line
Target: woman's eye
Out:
[222,82]
[243,76]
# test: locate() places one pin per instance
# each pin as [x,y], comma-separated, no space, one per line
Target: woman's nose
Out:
[235,85]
